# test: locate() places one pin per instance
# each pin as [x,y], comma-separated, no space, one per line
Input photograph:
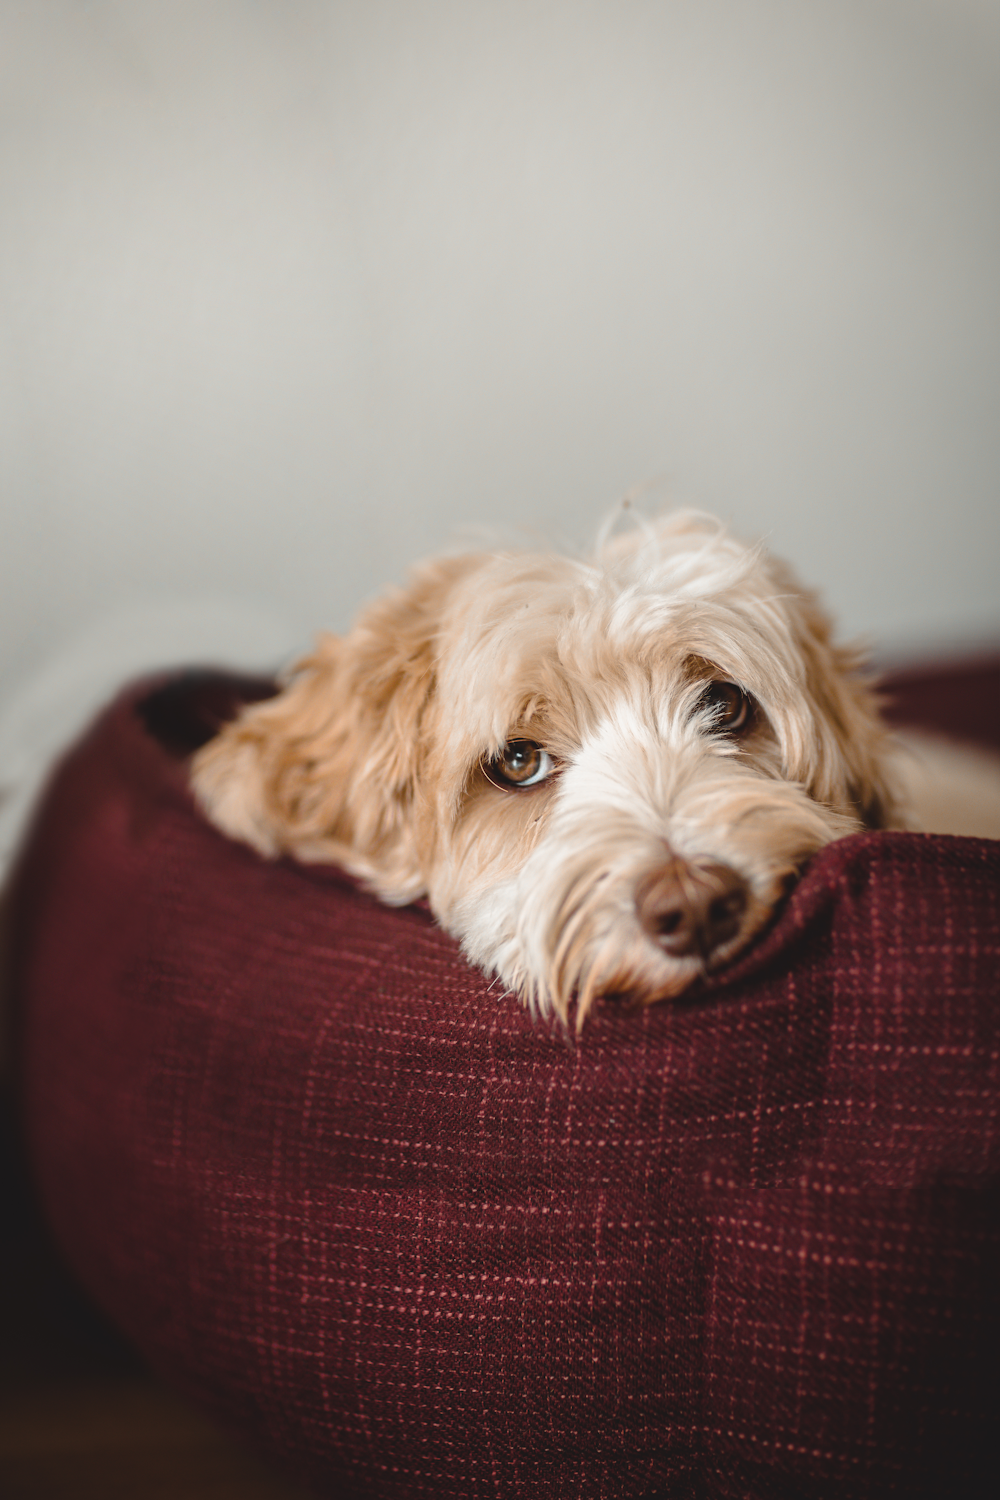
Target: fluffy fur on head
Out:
[602,774]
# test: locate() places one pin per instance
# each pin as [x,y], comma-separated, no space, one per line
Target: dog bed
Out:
[411,1242]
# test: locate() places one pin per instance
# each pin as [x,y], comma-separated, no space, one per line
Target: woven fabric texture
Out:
[413,1243]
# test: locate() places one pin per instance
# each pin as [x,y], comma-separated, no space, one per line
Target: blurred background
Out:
[293,292]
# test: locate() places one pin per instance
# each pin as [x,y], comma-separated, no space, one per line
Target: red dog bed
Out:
[413,1243]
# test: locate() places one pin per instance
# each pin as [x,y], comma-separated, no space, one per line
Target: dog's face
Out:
[602,775]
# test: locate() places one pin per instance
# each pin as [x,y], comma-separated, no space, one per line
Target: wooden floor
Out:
[80,1418]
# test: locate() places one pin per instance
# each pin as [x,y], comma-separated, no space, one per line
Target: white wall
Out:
[293,292]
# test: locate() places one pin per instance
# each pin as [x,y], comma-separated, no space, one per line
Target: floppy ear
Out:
[329,769]
[845,756]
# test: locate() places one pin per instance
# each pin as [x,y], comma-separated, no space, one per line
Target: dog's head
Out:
[603,774]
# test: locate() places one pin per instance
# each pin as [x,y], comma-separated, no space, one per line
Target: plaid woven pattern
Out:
[414,1243]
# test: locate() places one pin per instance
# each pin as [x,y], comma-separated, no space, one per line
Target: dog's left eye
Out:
[520,763]
[732,709]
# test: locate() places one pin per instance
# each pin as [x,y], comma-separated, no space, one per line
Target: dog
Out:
[603,774]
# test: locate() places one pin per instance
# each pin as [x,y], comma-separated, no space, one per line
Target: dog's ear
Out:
[844,755]
[329,769]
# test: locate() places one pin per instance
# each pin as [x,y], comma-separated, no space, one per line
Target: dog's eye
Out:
[520,763]
[732,709]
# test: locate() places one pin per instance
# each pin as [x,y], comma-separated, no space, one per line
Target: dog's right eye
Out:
[521,763]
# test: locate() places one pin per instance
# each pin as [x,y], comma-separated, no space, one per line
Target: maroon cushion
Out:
[416,1244]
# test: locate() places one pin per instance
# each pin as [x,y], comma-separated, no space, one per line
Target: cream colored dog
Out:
[602,774]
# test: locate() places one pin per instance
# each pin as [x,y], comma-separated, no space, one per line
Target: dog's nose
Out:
[692,908]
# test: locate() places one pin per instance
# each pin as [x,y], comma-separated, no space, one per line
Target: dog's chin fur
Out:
[372,756]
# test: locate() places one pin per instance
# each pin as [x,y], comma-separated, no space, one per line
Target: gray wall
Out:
[292,293]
